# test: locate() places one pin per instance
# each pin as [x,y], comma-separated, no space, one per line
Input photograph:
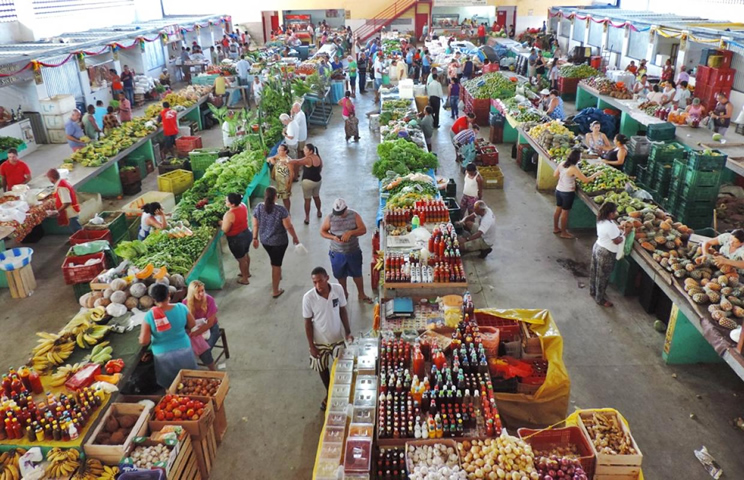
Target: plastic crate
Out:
[84,273]
[700,161]
[186,144]
[546,440]
[639,145]
[508,329]
[176,182]
[492,177]
[721,77]
[166,200]
[455,212]
[691,193]
[698,178]
[85,236]
[201,160]
[489,156]
[659,132]
[113,221]
[642,174]
[80,289]
[524,158]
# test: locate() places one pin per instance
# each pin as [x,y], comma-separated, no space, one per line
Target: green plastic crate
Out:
[659,132]
[667,153]
[699,178]
[114,221]
[201,160]
[642,174]
[690,193]
[80,289]
[700,161]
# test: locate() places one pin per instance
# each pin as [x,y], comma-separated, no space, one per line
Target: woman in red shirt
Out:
[239,237]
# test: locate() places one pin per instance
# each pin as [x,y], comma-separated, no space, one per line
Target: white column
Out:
[26,17]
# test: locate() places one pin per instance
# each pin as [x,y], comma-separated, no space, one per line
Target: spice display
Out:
[556,466]
[607,435]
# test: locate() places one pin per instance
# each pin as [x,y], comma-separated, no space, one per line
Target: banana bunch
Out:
[101,353]
[53,349]
[91,336]
[12,457]
[63,373]
[92,469]
[79,323]
[97,314]
[62,463]
[10,472]
[109,473]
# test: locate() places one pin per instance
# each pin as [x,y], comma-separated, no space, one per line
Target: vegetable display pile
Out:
[602,84]
[402,157]
[177,254]
[9,142]
[489,86]
[394,104]
[611,179]
[555,138]
[624,201]
[577,71]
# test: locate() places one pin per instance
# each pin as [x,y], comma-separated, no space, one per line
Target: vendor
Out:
[480,230]
[165,79]
[204,309]
[596,140]
[616,156]
[14,171]
[656,96]
[66,206]
[555,107]
[731,251]
[695,112]
[642,87]
[153,216]
[166,328]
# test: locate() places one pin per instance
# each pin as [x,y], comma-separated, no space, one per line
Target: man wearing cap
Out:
[343,228]
[480,230]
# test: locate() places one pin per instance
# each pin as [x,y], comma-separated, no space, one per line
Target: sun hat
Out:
[339,206]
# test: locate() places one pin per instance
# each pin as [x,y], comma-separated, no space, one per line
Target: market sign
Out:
[460,3]
[12,68]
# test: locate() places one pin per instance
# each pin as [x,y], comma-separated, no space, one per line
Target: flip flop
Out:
[307,222]
[240,275]
[607,304]
[556,232]
[567,236]
[244,282]
[278,294]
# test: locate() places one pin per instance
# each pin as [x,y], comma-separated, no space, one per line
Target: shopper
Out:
[203,308]
[169,119]
[165,329]
[300,120]
[721,115]
[347,106]
[462,123]
[90,127]
[110,121]
[532,64]
[257,90]
[66,206]
[125,109]
[731,251]
[480,230]
[116,86]
[229,132]
[271,223]
[596,140]
[99,114]
[127,81]
[426,123]
[540,64]
[74,132]
[14,171]
[610,239]
[472,189]
[343,228]
[482,33]
[435,93]
[555,106]
[353,72]
[565,193]
[466,136]
[452,69]
[281,173]
[362,69]
[616,156]
[326,324]
[453,97]
[239,237]
[291,134]
[311,178]
[426,62]
[220,88]
[468,69]
[153,216]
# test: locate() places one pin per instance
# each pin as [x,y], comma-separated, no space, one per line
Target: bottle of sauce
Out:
[24,378]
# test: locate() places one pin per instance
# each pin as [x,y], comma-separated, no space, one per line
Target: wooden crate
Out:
[220,424]
[205,451]
[613,467]
[224,387]
[112,454]
[530,341]
[21,282]
[185,468]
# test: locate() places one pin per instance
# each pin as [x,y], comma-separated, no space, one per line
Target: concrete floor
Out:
[613,355]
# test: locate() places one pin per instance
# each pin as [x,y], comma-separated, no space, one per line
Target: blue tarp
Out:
[608,123]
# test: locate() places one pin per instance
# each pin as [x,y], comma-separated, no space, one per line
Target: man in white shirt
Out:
[291,134]
[228,133]
[298,116]
[480,226]
[435,93]
[379,67]
[326,324]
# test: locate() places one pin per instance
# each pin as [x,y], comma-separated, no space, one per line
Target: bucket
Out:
[255,127]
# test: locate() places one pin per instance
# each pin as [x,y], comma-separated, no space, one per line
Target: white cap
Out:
[339,206]
[544,91]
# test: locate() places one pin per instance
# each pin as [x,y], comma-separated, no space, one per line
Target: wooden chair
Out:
[222,345]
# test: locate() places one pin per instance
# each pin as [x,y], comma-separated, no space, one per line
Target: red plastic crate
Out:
[720,78]
[85,236]
[702,76]
[539,372]
[568,85]
[546,440]
[186,144]
[489,158]
[491,67]
[83,274]
[508,329]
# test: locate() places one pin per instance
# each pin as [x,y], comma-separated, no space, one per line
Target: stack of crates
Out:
[524,157]
[659,168]
[695,188]
[638,150]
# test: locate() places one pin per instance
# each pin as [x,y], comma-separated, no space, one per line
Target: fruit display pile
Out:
[173,407]
[602,84]
[555,138]
[610,179]
[577,71]
[505,456]
[490,86]
[116,429]
[624,201]
[97,153]
[402,157]
[205,387]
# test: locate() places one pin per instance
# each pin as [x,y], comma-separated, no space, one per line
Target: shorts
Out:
[310,189]
[276,253]
[540,71]
[240,244]
[346,264]
[532,70]
[564,200]
[467,203]
[170,141]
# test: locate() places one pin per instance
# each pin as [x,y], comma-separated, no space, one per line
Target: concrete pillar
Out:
[652,46]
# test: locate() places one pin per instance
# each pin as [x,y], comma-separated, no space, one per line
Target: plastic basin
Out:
[15,258]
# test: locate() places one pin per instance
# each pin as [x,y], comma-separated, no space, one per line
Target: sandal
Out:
[556,232]
[278,294]
[307,222]
[244,282]
[566,235]
[607,304]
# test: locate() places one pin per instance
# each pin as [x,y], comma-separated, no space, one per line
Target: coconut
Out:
[119,297]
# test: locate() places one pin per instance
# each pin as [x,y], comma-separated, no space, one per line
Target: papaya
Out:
[648,246]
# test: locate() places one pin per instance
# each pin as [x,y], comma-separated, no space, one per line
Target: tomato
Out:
[177,413]
[190,404]
[169,415]
[195,417]
[160,416]
[200,412]
[190,412]
[169,408]
[167,398]
[183,401]
[198,404]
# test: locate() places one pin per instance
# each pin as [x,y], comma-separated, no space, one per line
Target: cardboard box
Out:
[193,427]
[112,454]
[224,387]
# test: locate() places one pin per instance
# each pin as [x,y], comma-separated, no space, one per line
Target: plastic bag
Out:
[199,345]
[96,220]
[300,250]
